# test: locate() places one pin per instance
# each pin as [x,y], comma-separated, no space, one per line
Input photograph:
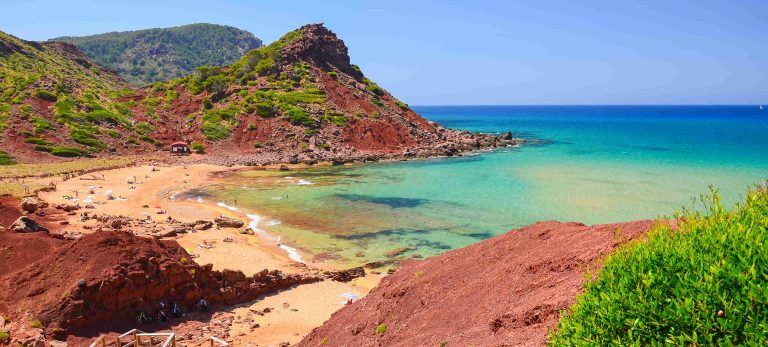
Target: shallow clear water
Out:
[598,164]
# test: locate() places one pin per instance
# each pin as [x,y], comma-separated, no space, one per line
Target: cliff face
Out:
[298,99]
[504,291]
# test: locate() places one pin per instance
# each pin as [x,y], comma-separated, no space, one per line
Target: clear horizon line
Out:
[587,105]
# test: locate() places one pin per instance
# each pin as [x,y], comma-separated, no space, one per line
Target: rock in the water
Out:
[27,225]
[226,222]
[506,136]
[346,275]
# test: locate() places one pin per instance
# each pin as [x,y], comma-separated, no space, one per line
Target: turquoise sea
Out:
[594,164]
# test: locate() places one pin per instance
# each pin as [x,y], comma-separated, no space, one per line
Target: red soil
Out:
[505,291]
[19,250]
[101,281]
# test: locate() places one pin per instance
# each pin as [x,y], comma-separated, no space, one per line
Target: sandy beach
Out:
[141,192]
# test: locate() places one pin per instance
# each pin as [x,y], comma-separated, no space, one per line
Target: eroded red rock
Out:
[504,291]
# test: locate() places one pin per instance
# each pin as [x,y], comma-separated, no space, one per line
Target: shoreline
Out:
[294,312]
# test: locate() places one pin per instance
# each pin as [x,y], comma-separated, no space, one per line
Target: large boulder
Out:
[27,225]
[226,222]
[32,204]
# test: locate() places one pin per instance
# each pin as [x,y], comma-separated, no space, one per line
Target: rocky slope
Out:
[146,56]
[101,281]
[297,99]
[504,291]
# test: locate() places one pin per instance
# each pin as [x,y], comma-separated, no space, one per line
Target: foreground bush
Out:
[705,284]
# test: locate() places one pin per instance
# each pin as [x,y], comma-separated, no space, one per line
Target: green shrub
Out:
[40,148]
[142,128]
[152,101]
[45,95]
[298,116]
[105,117]
[333,74]
[37,141]
[309,96]
[265,109]
[381,328]
[147,139]
[66,152]
[197,147]
[34,323]
[6,159]
[252,126]
[216,84]
[115,94]
[65,110]
[5,337]
[705,284]
[113,133]
[378,102]
[171,95]
[207,104]
[263,58]
[402,105]
[41,125]
[132,141]
[4,108]
[86,135]
[258,144]
[218,123]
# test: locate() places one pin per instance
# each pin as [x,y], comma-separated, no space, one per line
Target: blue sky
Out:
[485,52]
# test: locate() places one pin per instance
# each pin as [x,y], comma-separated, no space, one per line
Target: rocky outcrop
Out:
[32,204]
[226,222]
[320,47]
[504,291]
[346,275]
[25,224]
[102,280]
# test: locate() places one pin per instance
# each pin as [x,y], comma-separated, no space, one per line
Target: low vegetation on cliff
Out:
[704,284]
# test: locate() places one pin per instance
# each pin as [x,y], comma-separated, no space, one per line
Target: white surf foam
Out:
[303,182]
[231,208]
[293,253]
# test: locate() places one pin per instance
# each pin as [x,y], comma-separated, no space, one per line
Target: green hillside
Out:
[146,56]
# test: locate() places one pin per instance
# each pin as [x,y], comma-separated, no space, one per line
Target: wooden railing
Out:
[136,338]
